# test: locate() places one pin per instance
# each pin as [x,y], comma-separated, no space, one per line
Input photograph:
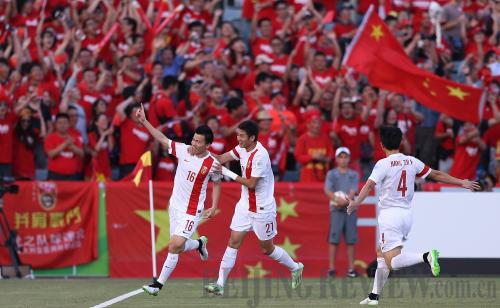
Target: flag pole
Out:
[361,27]
[152,221]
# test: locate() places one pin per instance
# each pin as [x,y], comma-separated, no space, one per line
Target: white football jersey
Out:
[256,163]
[395,176]
[191,179]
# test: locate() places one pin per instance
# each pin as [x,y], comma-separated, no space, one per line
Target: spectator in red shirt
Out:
[165,170]
[314,151]
[7,122]
[65,153]
[261,97]
[262,65]
[101,143]
[261,43]
[162,107]
[26,139]
[273,141]
[218,146]
[467,152]
[134,138]
[346,130]
[446,135]
[238,112]
[216,104]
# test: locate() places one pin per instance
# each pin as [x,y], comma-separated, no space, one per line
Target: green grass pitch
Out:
[399,292]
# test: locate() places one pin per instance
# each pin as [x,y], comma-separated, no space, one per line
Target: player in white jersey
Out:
[256,209]
[186,206]
[395,175]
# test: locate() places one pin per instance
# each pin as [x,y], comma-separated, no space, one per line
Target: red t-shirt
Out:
[229,121]
[278,67]
[24,160]
[218,146]
[348,131]
[273,143]
[7,125]
[165,170]
[261,46]
[306,146]
[446,143]
[465,161]
[492,139]
[66,162]
[87,100]
[100,162]
[134,141]
[161,109]
[323,78]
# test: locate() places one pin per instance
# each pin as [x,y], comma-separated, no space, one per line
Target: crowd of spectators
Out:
[73,72]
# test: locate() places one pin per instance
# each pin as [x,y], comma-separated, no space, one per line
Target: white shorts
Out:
[262,224]
[394,226]
[182,224]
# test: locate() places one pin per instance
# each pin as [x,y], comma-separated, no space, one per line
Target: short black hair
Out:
[250,128]
[233,104]
[262,77]
[62,115]
[169,81]
[206,132]
[391,137]
[132,23]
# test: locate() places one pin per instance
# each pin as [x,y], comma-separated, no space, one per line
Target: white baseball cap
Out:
[342,150]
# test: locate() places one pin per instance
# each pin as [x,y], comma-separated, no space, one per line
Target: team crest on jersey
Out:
[204,170]
[46,193]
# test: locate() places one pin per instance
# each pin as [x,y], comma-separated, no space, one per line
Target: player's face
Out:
[199,144]
[243,140]
[342,160]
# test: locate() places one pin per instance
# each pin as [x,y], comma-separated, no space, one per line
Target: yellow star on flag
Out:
[457,92]
[377,32]
[287,209]
[290,247]
[426,85]
[162,221]
[256,271]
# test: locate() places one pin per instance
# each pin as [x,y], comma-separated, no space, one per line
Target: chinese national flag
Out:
[142,171]
[377,54]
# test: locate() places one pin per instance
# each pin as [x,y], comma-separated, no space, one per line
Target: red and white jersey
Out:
[395,175]
[191,179]
[256,163]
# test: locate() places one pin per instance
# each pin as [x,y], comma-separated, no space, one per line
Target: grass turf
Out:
[399,292]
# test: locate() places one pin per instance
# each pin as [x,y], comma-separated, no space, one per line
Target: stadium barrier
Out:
[120,219]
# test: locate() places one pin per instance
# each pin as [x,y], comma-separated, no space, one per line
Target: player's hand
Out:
[217,167]
[353,206]
[472,186]
[209,213]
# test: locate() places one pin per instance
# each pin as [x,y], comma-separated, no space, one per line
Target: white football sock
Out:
[191,245]
[406,259]
[168,267]
[226,265]
[280,255]
[381,275]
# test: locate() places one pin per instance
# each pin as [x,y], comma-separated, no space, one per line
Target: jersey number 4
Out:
[402,183]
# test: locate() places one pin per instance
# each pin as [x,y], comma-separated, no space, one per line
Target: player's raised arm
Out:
[158,135]
[443,177]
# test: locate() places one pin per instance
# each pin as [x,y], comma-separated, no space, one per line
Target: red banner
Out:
[56,223]
[303,223]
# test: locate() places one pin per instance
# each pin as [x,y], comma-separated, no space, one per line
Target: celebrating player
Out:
[395,175]
[188,196]
[256,209]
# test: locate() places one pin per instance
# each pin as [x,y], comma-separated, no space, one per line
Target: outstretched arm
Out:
[365,191]
[158,135]
[443,177]
[250,183]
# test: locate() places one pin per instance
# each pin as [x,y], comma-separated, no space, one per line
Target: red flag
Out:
[376,53]
[142,171]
